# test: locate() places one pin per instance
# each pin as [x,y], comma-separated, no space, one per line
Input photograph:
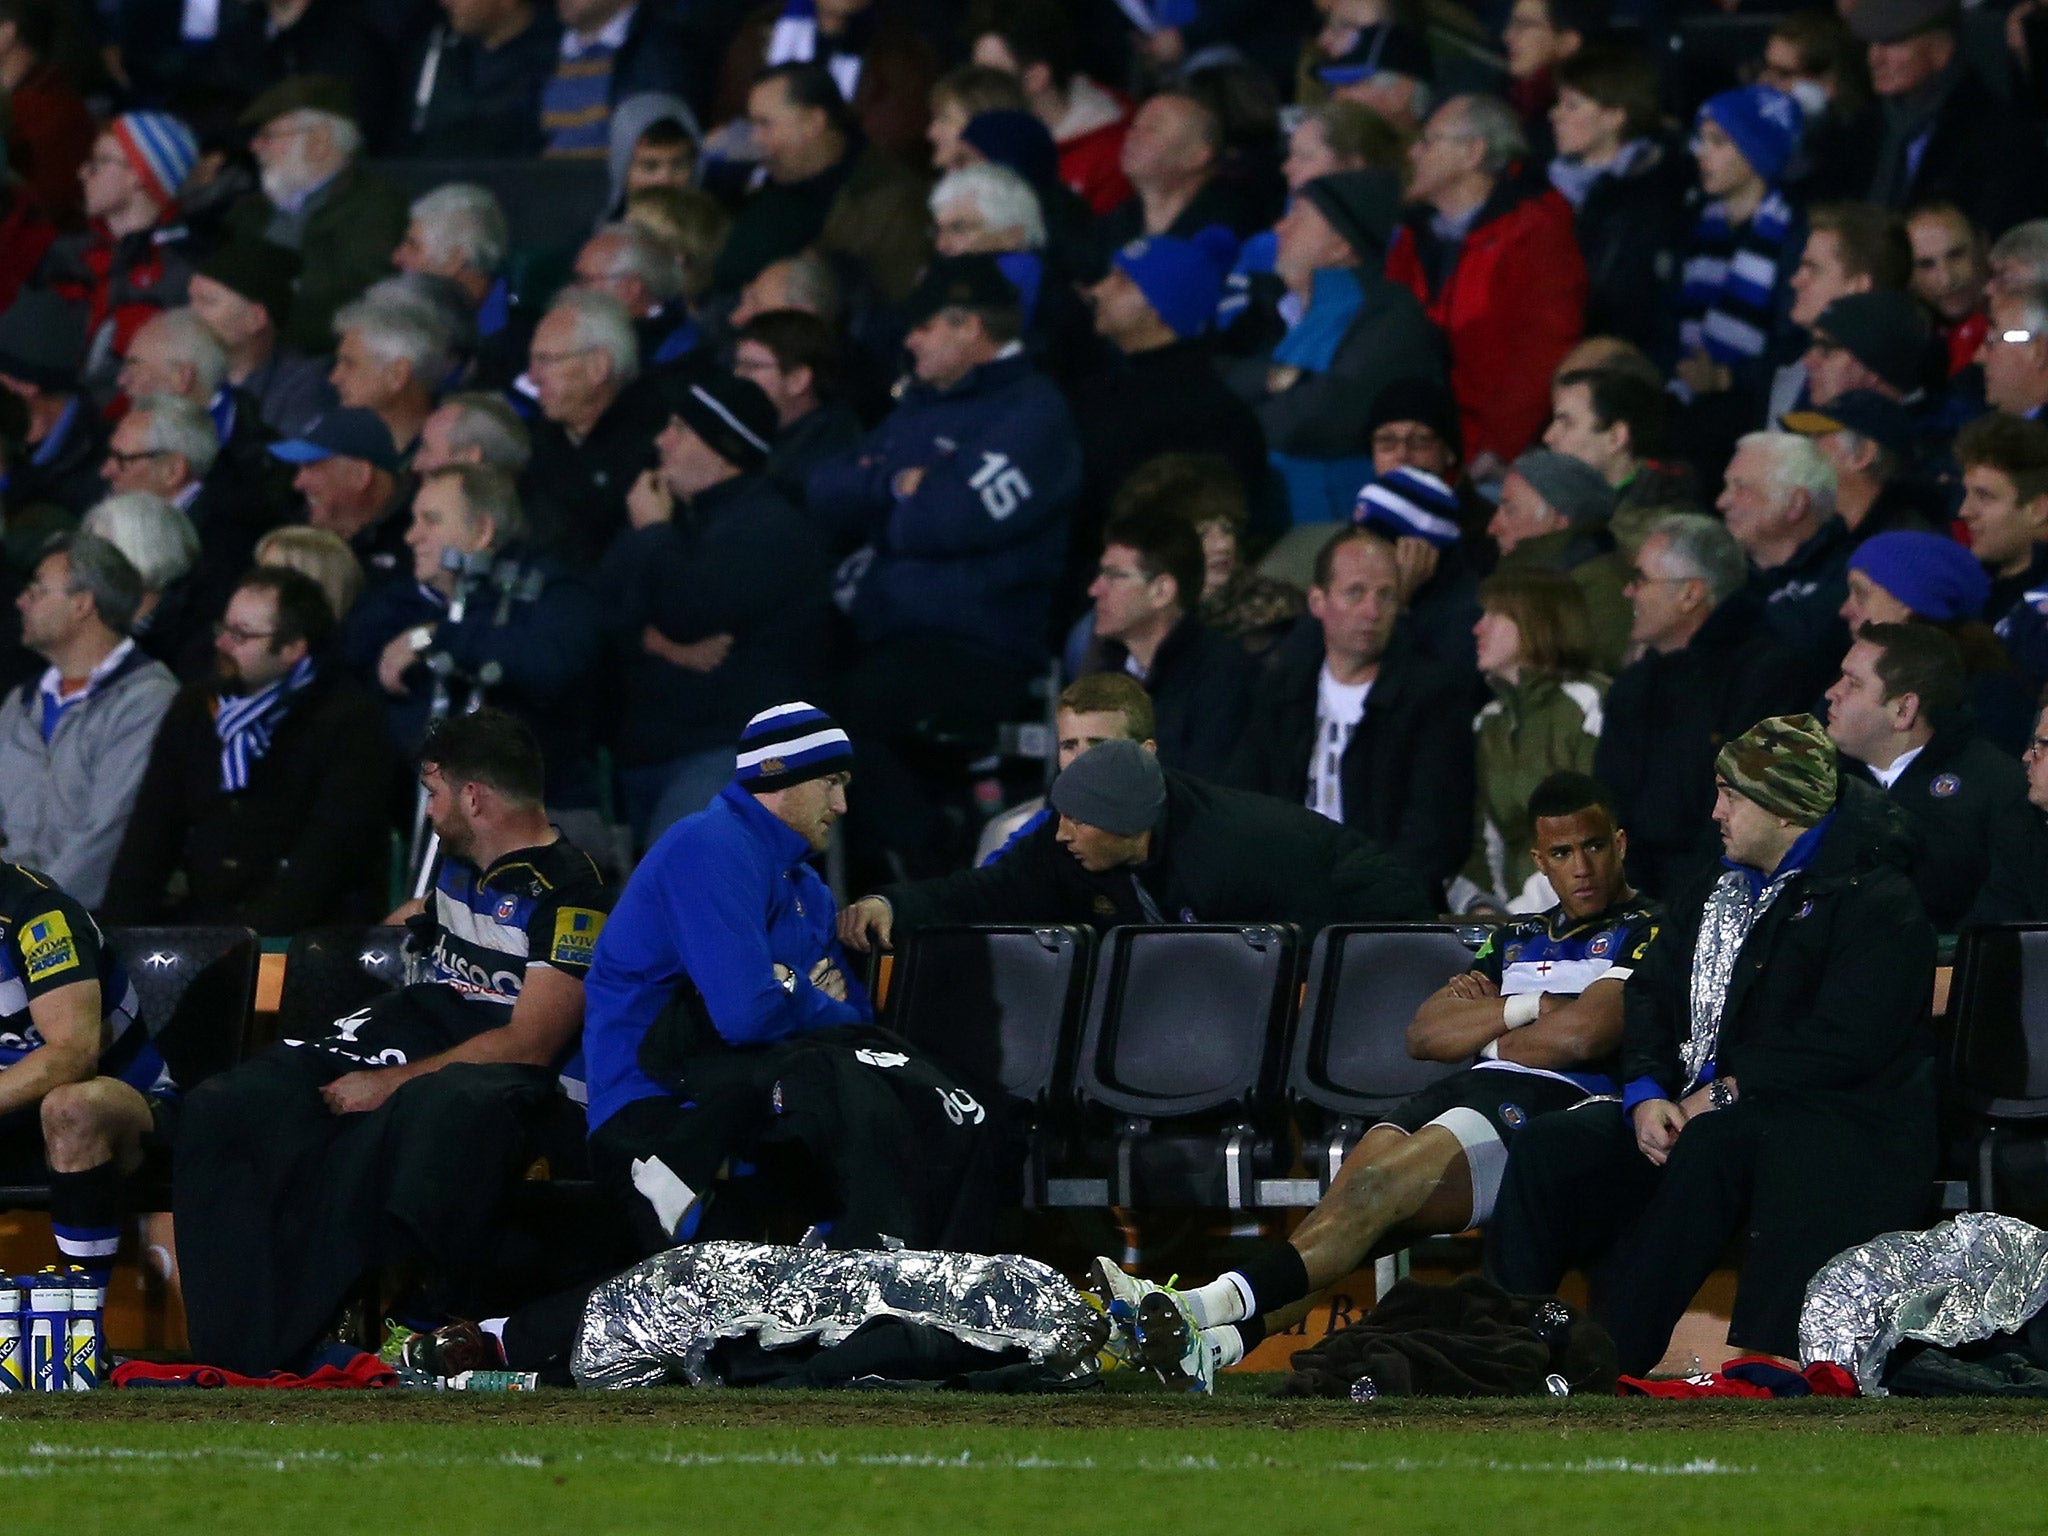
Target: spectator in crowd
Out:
[2015,352]
[1898,711]
[1170,156]
[262,802]
[2019,257]
[316,200]
[129,262]
[1778,500]
[609,51]
[1102,706]
[694,225]
[1439,587]
[1627,186]
[1147,592]
[1618,424]
[165,447]
[458,232]
[159,541]
[1943,124]
[265,45]
[74,744]
[1034,41]
[473,428]
[1336,136]
[1156,307]
[1495,262]
[389,361]
[985,208]
[1850,248]
[354,485]
[42,351]
[1015,140]
[1949,277]
[597,422]
[477,83]
[960,500]
[1876,341]
[1253,609]
[244,292]
[1709,670]
[958,97]
[881,63]
[804,281]
[1387,69]
[642,272]
[720,595]
[1357,333]
[825,189]
[1555,514]
[1868,440]
[990,208]
[2015,888]
[319,1159]
[1129,842]
[1414,425]
[1814,58]
[319,554]
[794,359]
[1368,732]
[1535,1023]
[2005,507]
[1789,1094]
[1737,266]
[654,147]
[50,128]
[1536,654]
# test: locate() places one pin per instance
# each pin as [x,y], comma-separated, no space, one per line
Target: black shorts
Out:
[1483,1107]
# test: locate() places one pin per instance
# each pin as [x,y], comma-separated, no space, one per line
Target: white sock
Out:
[495,1327]
[1226,1345]
[1226,1299]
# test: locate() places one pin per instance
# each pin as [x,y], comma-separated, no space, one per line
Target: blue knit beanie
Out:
[790,744]
[1181,279]
[1764,123]
[1935,577]
[1410,503]
[1017,140]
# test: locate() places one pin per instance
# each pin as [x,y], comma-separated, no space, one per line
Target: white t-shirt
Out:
[1339,708]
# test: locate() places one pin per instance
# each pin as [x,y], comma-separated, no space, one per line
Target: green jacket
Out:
[349,236]
[1602,573]
[1532,729]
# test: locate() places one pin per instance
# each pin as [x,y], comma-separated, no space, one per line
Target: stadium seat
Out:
[195,987]
[331,972]
[1349,1065]
[1998,1061]
[1184,1044]
[1001,1006]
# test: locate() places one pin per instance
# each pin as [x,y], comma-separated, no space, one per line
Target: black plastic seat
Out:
[196,988]
[1998,1043]
[1350,1065]
[1183,1049]
[331,972]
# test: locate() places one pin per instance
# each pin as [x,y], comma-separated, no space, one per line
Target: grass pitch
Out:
[729,1463]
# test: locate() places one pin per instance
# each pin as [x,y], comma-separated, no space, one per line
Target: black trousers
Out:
[1799,1182]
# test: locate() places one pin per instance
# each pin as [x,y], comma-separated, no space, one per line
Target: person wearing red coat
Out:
[1495,263]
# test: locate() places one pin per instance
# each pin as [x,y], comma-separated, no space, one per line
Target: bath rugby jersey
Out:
[1551,953]
[50,941]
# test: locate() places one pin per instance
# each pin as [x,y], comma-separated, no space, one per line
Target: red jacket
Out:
[25,233]
[1510,309]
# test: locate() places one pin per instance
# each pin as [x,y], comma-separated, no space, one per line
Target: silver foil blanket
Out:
[656,1324]
[1964,1280]
[1724,926]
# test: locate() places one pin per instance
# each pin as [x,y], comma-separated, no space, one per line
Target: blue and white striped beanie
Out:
[789,744]
[1410,503]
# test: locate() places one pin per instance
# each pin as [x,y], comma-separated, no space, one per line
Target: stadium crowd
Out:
[1582,468]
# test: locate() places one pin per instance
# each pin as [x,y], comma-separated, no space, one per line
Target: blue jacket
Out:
[976,551]
[725,902]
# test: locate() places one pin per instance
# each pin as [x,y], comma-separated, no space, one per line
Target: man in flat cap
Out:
[318,201]
[1556,514]
[1776,1079]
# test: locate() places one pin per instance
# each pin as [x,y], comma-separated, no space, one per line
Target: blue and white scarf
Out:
[244,724]
[1731,278]
[795,41]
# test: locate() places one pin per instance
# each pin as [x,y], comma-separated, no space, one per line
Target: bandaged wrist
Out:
[1490,1051]
[1521,1009]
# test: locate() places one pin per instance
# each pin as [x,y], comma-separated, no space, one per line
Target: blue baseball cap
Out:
[341,434]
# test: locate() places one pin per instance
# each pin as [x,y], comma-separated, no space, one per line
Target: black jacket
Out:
[1408,774]
[1964,798]
[1630,231]
[1802,601]
[1168,400]
[576,492]
[832,429]
[1218,856]
[1667,715]
[739,560]
[2015,888]
[1830,993]
[1979,155]
[70,478]
[1201,688]
[485,102]
[303,844]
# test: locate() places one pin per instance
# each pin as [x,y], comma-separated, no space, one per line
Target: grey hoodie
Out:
[632,117]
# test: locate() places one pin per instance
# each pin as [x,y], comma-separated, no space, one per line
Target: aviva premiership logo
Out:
[47,946]
[576,931]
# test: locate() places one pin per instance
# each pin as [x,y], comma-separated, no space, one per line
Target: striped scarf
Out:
[244,724]
[1730,277]
[794,40]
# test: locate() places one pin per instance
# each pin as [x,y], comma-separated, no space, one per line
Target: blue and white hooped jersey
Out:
[1551,953]
[48,941]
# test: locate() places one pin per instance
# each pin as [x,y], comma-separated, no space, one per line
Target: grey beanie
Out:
[1574,489]
[1116,786]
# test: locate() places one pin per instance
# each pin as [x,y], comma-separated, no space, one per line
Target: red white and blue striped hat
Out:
[159,148]
[790,744]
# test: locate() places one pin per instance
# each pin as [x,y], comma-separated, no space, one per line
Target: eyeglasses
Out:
[222,630]
[122,460]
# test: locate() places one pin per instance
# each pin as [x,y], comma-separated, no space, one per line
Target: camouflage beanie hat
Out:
[1785,765]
